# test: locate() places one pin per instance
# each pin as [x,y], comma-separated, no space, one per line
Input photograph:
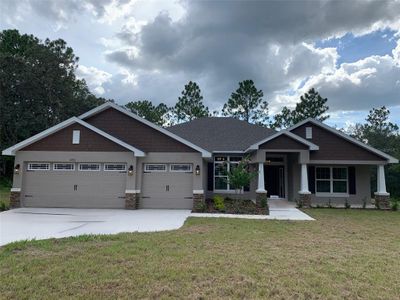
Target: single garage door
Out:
[167,186]
[75,185]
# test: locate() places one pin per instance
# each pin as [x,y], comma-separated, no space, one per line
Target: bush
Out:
[219,202]
[395,204]
[200,207]
[3,206]
[347,204]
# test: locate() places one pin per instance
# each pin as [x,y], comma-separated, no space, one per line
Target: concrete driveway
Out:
[43,223]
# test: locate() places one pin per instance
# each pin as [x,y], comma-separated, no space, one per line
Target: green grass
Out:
[345,254]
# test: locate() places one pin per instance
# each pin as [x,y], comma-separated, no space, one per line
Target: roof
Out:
[181,139]
[390,158]
[310,145]
[11,151]
[221,134]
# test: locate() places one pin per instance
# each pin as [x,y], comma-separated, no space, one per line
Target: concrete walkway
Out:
[43,223]
[278,210]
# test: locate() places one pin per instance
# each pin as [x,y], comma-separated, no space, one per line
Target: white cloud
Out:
[94,77]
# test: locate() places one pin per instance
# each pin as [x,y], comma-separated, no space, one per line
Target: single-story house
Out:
[111,158]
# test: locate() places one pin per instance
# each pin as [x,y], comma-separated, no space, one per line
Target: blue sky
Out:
[134,49]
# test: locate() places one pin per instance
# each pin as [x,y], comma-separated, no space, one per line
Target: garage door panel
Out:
[80,189]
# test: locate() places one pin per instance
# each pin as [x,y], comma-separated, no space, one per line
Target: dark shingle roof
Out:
[221,134]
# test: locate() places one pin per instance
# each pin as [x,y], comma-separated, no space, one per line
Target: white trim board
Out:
[310,145]
[11,150]
[106,105]
[390,159]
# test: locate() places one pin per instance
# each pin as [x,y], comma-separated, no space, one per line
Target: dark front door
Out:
[275,180]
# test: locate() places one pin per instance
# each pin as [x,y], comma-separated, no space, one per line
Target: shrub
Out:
[200,207]
[263,202]
[395,204]
[347,205]
[219,202]
[364,205]
[299,203]
[3,206]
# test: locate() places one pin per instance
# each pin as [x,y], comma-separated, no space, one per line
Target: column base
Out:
[382,201]
[15,199]
[304,200]
[262,201]
[199,203]
[132,200]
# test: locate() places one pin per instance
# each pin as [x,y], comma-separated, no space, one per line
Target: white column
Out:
[261,184]
[304,180]
[381,183]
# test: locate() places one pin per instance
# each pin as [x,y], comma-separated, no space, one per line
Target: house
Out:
[111,158]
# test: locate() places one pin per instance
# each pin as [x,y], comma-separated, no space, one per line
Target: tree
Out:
[384,135]
[241,176]
[190,105]
[38,87]
[246,104]
[311,105]
[148,111]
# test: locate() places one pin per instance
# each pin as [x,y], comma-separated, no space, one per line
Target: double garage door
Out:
[103,185]
[77,185]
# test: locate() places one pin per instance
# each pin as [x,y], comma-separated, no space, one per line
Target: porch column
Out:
[304,193]
[261,184]
[382,197]
[304,180]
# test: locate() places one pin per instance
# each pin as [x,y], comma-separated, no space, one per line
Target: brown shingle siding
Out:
[332,146]
[62,141]
[283,142]
[135,133]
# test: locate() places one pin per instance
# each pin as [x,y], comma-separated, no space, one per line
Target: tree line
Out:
[39,88]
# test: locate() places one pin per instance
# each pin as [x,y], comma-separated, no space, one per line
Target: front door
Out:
[274,177]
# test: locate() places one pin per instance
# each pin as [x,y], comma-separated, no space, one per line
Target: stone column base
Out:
[304,200]
[262,201]
[382,201]
[199,203]
[132,200]
[15,199]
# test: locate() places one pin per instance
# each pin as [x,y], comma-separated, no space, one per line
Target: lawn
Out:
[353,254]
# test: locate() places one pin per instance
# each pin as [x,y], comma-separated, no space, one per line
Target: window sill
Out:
[338,195]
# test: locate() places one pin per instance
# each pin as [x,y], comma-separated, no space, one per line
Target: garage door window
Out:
[38,166]
[155,168]
[89,167]
[64,167]
[185,168]
[115,167]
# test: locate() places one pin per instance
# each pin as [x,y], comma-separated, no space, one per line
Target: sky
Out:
[134,50]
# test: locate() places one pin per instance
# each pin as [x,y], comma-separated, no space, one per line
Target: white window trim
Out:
[228,162]
[105,170]
[30,169]
[155,171]
[63,163]
[181,171]
[331,180]
[80,170]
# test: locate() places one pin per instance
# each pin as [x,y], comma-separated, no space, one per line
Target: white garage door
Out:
[76,185]
[167,186]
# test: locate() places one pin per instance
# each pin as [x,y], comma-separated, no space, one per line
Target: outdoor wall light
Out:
[197,170]
[16,169]
[130,170]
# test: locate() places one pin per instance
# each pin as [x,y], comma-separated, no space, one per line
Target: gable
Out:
[62,141]
[334,147]
[283,142]
[135,132]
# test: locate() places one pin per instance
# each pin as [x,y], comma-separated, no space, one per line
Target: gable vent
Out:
[76,137]
[309,133]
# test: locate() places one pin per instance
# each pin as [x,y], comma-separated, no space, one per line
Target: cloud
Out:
[94,77]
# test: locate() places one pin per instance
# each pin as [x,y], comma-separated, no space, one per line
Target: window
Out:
[63,167]
[331,180]
[155,168]
[180,168]
[38,166]
[309,133]
[222,166]
[89,167]
[76,136]
[114,167]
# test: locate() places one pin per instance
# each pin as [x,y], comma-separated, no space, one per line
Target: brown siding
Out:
[283,142]
[62,141]
[135,133]
[332,146]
